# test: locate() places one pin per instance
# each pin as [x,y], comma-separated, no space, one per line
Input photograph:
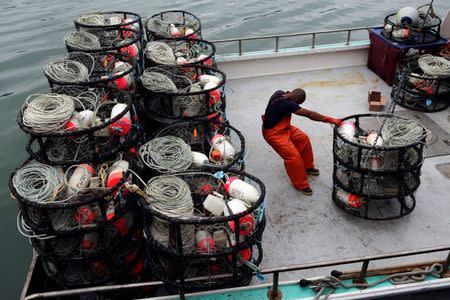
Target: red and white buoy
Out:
[198,159]
[242,190]
[80,178]
[90,241]
[182,60]
[205,243]
[246,223]
[132,51]
[349,199]
[214,94]
[207,62]
[190,33]
[205,78]
[224,147]
[80,120]
[348,130]
[116,173]
[84,215]
[126,82]
[122,126]
[372,137]
[174,32]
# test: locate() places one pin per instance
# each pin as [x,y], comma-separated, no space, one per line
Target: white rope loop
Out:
[434,66]
[82,40]
[160,53]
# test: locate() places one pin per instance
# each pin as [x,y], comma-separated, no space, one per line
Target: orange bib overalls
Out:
[294,147]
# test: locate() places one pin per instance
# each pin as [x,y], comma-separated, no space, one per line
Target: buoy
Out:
[90,241]
[242,190]
[214,95]
[376,163]
[126,82]
[123,125]
[208,62]
[132,51]
[221,239]
[84,215]
[407,15]
[242,256]
[205,243]
[123,224]
[222,144]
[116,173]
[400,33]
[198,159]
[80,178]
[205,78]
[246,223]
[349,199]
[98,267]
[189,32]
[174,32]
[348,129]
[80,120]
[215,156]
[371,140]
[129,25]
[137,269]
[214,203]
[182,60]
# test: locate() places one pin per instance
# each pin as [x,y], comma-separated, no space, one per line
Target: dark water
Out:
[32,31]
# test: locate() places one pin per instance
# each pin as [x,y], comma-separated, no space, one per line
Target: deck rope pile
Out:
[434,66]
[82,40]
[67,70]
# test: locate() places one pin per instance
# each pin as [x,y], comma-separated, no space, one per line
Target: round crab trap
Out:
[112,71]
[79,199]
[413,26]
[174,24]
[120,264]
[185,51]
[212,216]
[62,134]
[117,20]
[185,91]
[193,145]
[376,173]
[422,83]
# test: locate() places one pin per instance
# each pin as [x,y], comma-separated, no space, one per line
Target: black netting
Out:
[191,99]
[413,89]
[375,182]
[191,51]
[426,29]
[186,24]
[109,20]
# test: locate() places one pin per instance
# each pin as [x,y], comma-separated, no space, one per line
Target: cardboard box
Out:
[376,101]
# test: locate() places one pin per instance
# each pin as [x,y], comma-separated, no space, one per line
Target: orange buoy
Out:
[116,173]
[132,51]
[246,223]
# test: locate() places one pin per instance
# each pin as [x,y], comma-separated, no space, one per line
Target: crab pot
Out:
[216,239]
[186,25]
[415,90]
[120,264]
[192,51]
[376,183]
[111,71]
[188,98]
[426,30]
[104,141]
[222,144]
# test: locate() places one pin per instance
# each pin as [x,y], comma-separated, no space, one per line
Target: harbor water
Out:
[32,31]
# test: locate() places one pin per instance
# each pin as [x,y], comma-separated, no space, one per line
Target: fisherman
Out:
[288,141]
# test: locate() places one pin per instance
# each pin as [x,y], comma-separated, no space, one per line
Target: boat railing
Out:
[275,272]
[277,37]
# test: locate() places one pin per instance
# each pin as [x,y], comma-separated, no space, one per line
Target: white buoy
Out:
[182,60]
[174,32]
[222,144]
[214,203]
[205,78]
[407,15]
[189,31]
[348,129]
[80,178]
[199,159]
[242,190]
[123,83]
[80,120]
[123,125]
[246,223]
[371,140]
[115,173]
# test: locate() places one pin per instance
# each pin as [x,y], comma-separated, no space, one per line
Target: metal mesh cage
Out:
[419,91]
[375,182]
[426,29]
[108,20]
[193,51]
[185,96]
[159,26]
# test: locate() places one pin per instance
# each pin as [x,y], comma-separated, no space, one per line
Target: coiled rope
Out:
[166,154]
[160,53]
[38,182]
[434,66]
[82,40]
[47,112]
[63,69]
[158,27]
[171,196]
[157,82]
[92,19]
[401,132]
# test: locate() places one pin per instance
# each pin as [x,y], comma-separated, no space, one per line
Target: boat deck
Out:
[303,229]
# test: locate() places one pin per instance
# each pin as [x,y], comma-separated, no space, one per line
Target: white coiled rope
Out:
[82,40]
[434,66]
[166,154]
[171,196]
[157,82]
[48,112]
[160,53]
[91,19]
[158,27]
[63,69]
[401,132]
[38,182]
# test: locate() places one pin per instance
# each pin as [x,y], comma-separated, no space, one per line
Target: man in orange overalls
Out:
[289,142]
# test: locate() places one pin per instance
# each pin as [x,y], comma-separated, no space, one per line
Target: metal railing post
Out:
[277,40]
[240,47]
[313,40]
[362,274]
[348,37]
[274,293]
[446,265]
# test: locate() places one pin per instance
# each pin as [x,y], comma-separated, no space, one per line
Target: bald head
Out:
[298,95]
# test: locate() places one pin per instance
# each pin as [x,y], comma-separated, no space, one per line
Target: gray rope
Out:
[91,19]
[157,82]
[64,69]
[160,53]
[158,26]
[82,40]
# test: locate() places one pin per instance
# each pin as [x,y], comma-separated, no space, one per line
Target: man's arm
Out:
[312,115]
